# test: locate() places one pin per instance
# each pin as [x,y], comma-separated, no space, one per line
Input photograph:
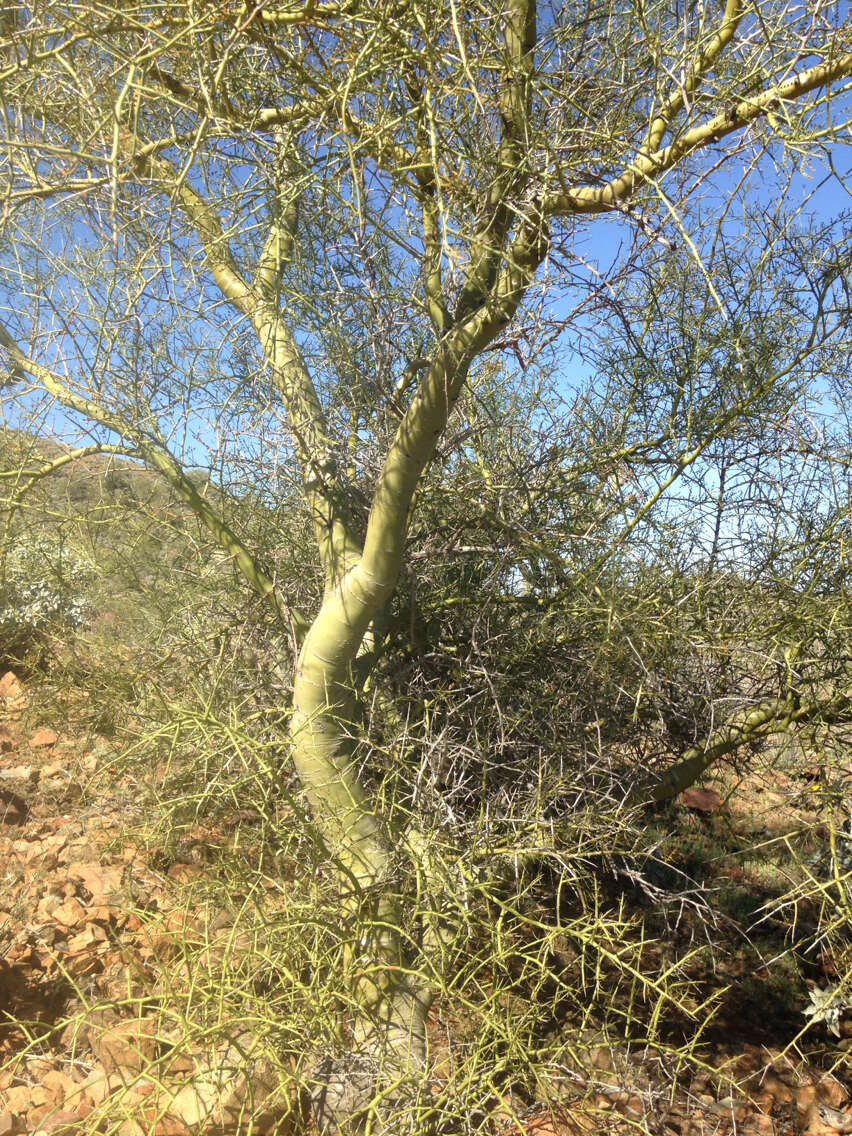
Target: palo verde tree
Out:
[345,216]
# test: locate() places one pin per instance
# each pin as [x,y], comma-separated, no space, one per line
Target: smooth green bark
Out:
[773,716]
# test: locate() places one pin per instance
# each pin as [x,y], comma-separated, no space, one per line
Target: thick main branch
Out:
[753,724]
[738,114]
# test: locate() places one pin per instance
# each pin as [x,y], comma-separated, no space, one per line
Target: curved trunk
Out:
[383,1075]
[390,1008]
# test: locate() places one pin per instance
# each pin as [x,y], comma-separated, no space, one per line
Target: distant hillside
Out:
[91,483]
[142,541]
[105,511]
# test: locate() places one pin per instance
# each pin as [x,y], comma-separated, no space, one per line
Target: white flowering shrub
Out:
[43,592]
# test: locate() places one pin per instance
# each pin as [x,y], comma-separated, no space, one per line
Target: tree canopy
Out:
[515,306]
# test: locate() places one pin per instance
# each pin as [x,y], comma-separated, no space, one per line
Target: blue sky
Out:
[597,250]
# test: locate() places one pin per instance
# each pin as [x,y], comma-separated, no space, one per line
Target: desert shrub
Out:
[43,596]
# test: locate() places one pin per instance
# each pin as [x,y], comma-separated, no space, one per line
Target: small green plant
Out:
[827,1006]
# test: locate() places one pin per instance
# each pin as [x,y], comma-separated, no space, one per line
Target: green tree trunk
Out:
[385,1070]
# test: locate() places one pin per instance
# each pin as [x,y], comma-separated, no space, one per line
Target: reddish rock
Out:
[102,882]
[703,800]
[90,936]
[58,1085]
[11,688]
[82,963]
[832,1092]
[71,913]
[18,1099]
[128,1045]
[43,738]
[36,1115]
[104,915]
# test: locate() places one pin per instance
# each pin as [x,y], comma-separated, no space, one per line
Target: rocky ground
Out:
[84,962]
[78,1050]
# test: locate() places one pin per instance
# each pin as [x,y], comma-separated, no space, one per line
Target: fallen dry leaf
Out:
[834,1118]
